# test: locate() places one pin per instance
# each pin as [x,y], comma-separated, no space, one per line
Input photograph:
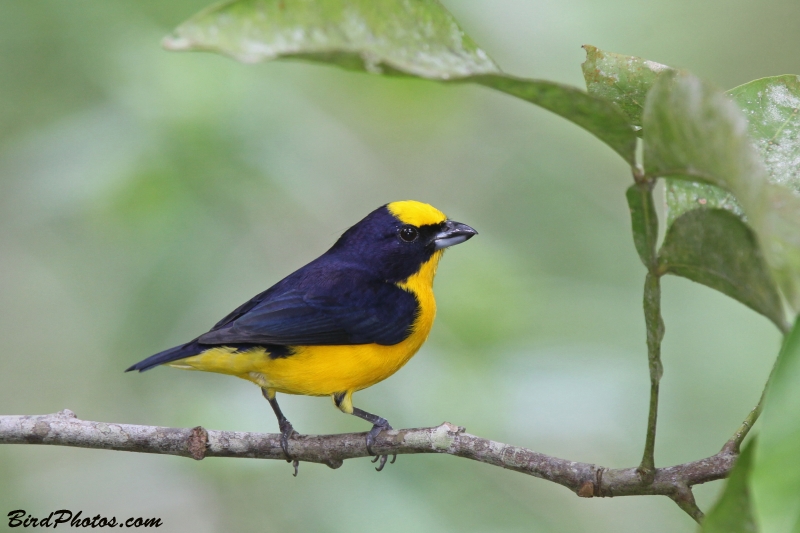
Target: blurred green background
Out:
[144,194]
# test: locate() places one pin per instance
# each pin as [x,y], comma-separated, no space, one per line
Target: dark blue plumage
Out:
[323,303]
[346,296]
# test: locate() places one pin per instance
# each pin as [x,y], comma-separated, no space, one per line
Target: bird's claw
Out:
[286,433]
[373,433]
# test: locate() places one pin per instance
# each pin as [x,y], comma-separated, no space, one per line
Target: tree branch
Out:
[584,479]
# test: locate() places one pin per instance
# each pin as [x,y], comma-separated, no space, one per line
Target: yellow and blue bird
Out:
[343,322]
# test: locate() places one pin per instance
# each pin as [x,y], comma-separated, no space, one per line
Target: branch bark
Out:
[584,479]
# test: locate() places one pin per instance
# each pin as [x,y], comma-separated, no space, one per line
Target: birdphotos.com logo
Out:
[68,519]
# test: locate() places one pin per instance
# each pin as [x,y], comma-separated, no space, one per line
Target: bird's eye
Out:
[409,233]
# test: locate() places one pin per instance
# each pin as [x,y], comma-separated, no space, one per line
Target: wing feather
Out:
[312,309]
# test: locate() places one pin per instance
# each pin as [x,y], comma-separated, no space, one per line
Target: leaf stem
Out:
[735,442]
[655,333]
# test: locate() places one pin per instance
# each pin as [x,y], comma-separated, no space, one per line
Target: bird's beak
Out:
[452,233]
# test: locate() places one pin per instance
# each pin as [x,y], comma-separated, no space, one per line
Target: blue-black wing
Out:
[321,306]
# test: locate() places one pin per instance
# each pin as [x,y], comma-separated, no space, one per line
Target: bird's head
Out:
[396,239]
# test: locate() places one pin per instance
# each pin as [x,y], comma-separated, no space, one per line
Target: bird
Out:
[345,321]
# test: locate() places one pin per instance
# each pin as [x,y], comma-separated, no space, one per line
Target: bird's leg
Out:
[344,401]
[285,426]
[378,425]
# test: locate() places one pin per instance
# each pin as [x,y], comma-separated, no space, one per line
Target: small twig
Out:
[685,500]
[735,442]
[586,480]
[655,333]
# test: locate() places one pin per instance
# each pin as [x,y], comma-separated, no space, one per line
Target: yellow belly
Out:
[312,370]
[325,370]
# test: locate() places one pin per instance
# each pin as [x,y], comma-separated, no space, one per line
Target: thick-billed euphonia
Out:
[343,322]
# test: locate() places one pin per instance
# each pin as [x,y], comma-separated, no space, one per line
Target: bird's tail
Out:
[173,354]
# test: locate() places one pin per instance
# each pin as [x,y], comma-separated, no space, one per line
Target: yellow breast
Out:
[325,370]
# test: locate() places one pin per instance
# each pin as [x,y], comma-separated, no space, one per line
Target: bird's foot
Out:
[286,433]
[377,427]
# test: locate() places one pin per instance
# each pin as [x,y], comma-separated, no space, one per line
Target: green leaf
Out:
[621,79]
[714,247]
[644,221]
[733,513]
[772,106]
[775,480]
[396,37]
[710,177]
[417,37]
[592,113]
[695,131]
[684,195]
